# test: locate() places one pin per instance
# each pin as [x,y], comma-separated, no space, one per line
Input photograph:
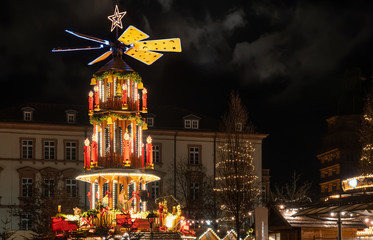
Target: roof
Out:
[352,210]
[116,64]
[288,220]
[46,113]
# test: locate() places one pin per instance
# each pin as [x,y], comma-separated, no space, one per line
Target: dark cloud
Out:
[284,56]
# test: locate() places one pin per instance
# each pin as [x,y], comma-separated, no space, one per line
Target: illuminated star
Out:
[116,18]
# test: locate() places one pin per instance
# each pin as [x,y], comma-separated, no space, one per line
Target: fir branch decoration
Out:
[120,75]
[99,119]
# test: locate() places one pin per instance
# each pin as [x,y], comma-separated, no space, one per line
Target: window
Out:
[194,188]
[194,155]
[71,117]
[27,187]
[26,222]
[71,187]
[191,122]
[27,116]
[195,124]
[70,150]
[27,113]
[156,153]
[155,190]
[150,122]
[188,123]
[49,149]
[27,148]
[49,187]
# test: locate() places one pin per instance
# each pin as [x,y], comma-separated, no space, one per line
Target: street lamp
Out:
[151,216]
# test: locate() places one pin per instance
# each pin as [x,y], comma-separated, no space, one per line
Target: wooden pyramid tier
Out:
[110,188]
[118,157]
[116,103]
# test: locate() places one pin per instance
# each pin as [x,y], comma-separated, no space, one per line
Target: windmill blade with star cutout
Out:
[143,50]
[130,43]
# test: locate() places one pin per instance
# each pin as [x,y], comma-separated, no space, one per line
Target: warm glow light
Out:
[109,175]
[170,221]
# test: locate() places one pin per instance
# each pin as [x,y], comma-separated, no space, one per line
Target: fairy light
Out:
[114,137]
[114,192]
[114,87]
[148,177]
[139,140]
[99,90]
[367,118]
[132,137]
[98,191]
[101,144]
[144,203]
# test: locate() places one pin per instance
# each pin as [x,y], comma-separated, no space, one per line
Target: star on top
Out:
[116,18]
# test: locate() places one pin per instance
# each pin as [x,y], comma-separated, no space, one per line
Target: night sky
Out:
[287,59]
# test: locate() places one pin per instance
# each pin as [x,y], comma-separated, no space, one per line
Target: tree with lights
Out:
[366,136]
[236,185]
[293,192]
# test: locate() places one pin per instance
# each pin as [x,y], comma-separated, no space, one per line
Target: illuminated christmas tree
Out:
[236,185]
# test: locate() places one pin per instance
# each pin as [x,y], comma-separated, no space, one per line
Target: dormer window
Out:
[150,121]
[188,124]
[191,122]
[195,124]
[27,113]
[71,116]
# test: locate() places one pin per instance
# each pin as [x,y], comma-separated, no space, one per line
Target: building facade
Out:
[43,140]
[340,154]
[41,151]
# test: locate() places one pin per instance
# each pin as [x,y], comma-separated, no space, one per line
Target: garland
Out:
[99,119]
[120,75]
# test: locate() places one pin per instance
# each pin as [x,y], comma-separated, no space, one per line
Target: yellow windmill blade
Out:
[164,45]
[131,35]
[100,58]
[146,57]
